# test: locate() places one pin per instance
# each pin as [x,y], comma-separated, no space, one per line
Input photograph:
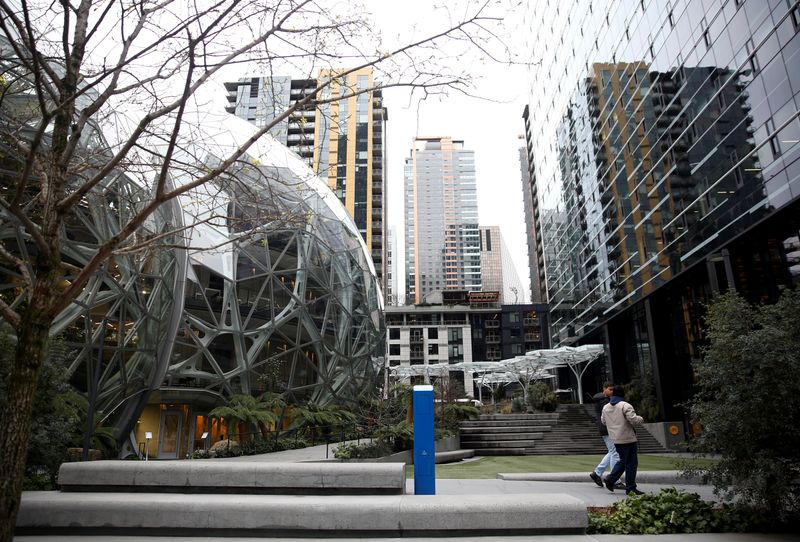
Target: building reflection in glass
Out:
[665,140]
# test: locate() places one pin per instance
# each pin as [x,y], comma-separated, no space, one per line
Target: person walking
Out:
[620,418]
[612,457]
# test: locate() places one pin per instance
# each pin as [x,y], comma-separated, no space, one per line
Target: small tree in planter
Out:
[542,398]
[245,409]
[314,416]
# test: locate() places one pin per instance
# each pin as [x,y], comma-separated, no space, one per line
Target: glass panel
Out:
[170,433]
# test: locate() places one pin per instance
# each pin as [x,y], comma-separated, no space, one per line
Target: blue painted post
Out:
[424,452]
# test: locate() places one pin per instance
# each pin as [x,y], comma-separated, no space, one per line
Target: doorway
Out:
[169,437]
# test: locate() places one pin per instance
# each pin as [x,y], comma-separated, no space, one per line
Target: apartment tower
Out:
[343,140]
[443,249]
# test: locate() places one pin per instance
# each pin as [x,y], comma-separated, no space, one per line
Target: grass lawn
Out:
[488,467]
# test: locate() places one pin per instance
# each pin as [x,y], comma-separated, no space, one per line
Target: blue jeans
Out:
[628,462]
[609,460]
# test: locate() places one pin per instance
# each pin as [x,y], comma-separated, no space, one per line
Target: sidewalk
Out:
[577,485]
[711,537]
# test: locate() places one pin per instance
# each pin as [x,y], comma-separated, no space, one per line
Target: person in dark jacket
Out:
[610,459]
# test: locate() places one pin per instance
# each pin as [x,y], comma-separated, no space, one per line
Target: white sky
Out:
[490,124]
[489,121]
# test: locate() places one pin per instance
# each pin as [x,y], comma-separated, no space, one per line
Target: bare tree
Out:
[93,90]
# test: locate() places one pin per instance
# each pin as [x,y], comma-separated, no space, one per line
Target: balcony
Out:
[532,337]
[492,339]
[415,339]
[530,321]
[492,324]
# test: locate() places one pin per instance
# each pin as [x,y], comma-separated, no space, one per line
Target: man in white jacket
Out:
[620,417]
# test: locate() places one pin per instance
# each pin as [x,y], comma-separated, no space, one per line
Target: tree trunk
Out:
[15,420]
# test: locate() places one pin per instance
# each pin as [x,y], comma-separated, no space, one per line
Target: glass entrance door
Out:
[169,438]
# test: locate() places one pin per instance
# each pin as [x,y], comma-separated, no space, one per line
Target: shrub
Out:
[224,448]
[454,413]
[518,404]
[641,391]
[748,405]
[666,512]
[399,436]
[541,397]
[365,450]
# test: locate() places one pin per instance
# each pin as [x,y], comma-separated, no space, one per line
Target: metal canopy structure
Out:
[573,357]
[534,365]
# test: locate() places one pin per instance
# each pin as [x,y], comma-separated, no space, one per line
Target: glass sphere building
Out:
[255,281]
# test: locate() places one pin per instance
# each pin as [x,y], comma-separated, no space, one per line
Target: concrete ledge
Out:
[453,455]
[644,477]
[273,515]
[219,476]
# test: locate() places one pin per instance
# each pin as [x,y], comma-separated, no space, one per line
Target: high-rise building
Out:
[442,240]
[342,140]
[663,141]
[498,273]
[530,205]
[392,291]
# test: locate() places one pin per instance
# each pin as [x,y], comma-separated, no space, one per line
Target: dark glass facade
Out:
[664,141]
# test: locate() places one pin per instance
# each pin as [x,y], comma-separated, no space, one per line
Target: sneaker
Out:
[597,479]
[634,492]
[609,485]
[619,485]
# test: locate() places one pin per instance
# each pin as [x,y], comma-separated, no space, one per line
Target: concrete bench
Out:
[210,476]
[454,455]
[169,514]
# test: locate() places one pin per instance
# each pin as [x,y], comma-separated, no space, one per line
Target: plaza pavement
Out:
[577,485]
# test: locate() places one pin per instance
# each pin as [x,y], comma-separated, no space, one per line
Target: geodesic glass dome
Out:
[281,293]
[256,281]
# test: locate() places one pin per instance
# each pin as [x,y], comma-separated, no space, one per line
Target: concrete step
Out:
[221,476]
[363,516]
[454,455]
[502,451]
[506,428]
[479,445]
[516,417]
[506,423]
[501,436]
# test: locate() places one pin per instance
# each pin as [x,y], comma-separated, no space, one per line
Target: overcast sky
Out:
[489,121]
[490,124]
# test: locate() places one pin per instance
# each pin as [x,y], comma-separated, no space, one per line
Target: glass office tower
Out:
[443,248]
[663,141]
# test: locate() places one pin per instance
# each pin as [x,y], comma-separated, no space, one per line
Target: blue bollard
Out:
[424,451]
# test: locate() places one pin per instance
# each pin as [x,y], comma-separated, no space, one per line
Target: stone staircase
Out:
[506,434]
[571,430]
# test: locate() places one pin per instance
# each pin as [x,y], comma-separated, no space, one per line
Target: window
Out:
[753,60]
[794,14]
[433,333]
[774,144]
[433,349]
[394,349]
[394,333]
